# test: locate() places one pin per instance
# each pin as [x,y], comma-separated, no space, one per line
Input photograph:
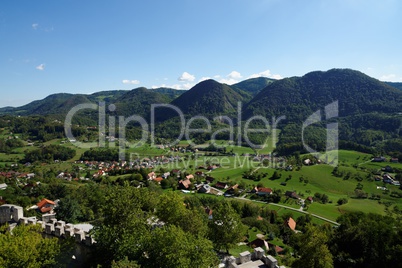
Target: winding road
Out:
[295,209]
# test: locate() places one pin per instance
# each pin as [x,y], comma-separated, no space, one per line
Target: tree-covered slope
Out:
[138,102]
[208,98]
[253,85]
[368,110]
[397,85]
[169,92]
[299,97]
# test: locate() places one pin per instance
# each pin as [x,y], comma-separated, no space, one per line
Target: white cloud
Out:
[234,75]
[186,77]
[204,78]
[229,81]
[388,77]
[40,67]
[232,78]
[130,82]
[35,26]
[266,73]
[183,86]
[276,76]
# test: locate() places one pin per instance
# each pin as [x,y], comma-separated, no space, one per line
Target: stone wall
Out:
[247,257]
[50,225]
[10,212]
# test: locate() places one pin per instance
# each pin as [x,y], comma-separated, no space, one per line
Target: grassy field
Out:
[321,180]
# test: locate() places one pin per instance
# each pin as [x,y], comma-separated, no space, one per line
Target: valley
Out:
[248,150]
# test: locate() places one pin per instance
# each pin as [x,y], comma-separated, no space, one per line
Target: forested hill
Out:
[253,85]
[295,97]
[61,103]
[138,101]
[397,85]
[209,98]
[369,110]
[299,97]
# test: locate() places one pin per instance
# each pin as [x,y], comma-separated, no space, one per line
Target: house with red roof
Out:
[264,191]
[291,224]
[46,205]
[158,180]
[184,184]
[221,185]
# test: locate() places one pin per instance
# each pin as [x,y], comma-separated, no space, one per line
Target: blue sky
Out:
[87,46]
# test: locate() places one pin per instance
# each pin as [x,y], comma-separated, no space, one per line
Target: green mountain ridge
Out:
[253,85]
[295,97]
[138,101]
[397,85]
[209,98]
[299,97]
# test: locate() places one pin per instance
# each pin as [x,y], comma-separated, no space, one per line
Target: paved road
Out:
[295,209]
[305,212]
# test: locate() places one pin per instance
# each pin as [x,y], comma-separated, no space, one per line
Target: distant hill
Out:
[61,103]
[253,85]
[209,98]
[298,97]
[369,110]
[53,104]
[106,96]
[138,101]
[397,85]
[169,92]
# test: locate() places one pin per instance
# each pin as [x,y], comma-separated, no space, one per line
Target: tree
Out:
[342,201]
[275,176]
[125,228]
[171,247]
[26,247]
[171,210]
[367,240]
[68,210]
[225,229]
[125,263]
[313,251]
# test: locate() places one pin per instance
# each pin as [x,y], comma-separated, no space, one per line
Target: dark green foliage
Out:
[367,109]
[397,85]
[6,146]
[299,97]
[25,247]
[322,198]
[208,98]
[68,210]
[101,154]
[342,201]
[138,102]
[313,249]
[125,263]
[225,230]
[50,153]
[367,240]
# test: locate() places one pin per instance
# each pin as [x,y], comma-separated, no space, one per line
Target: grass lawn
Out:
[11,157]
[239,249]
